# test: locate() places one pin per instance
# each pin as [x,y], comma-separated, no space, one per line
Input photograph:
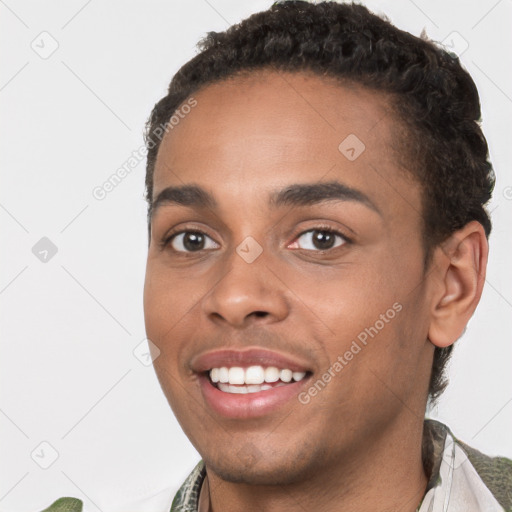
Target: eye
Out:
[191,241]
[318,240]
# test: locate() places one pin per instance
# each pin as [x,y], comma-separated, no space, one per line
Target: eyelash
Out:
[346,240]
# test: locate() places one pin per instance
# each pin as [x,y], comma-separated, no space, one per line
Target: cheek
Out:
[164,306]
[369,311]
[167,301]
[168,325]
[346,298]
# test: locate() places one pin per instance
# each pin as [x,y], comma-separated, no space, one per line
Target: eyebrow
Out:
[312,193]
[301,194]
[186,195]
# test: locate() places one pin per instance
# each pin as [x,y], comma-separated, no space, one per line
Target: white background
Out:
[70,325]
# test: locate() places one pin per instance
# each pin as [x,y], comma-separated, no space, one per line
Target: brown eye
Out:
[192,241]
[319,240]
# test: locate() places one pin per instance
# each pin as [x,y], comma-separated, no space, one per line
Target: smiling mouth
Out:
[252,379]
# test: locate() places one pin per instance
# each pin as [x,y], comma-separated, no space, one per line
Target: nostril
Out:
[260,313]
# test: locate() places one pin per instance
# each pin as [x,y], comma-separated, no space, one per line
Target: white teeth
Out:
[298,375]
[286,375]
[253,376]
[254,388]
[271,374]
[236,375]
[244,390]
[223,374]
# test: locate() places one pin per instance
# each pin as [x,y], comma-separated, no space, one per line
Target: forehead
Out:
[271,128]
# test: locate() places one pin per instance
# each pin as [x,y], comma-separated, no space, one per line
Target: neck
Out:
[387,473]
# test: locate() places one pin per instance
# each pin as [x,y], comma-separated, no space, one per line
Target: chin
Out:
[259,472]
[253,476]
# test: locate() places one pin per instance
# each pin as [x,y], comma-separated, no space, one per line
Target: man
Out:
[316,181]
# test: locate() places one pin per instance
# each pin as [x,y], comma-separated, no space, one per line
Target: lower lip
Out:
[248,405]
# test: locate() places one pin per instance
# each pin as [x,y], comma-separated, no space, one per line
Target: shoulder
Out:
[65,505]
[451,457]
[495,472]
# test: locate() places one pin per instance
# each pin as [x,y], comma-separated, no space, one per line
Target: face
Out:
[286,247]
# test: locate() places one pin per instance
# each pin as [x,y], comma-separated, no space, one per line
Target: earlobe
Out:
[460,272]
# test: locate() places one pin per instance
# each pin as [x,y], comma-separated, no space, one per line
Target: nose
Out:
[247,293]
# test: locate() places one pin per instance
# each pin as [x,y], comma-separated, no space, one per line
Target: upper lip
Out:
[247,357]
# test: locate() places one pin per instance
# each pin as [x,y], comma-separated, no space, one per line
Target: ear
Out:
[460,265]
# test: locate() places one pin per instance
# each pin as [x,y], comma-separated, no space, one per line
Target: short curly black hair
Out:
[434,97]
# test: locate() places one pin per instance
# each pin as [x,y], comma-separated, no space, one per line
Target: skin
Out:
[357,444]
